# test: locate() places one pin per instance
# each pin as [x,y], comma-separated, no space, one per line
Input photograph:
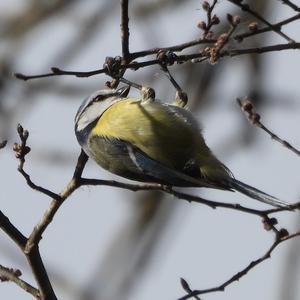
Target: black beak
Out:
[123,91]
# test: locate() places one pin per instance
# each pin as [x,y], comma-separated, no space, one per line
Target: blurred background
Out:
[109,244]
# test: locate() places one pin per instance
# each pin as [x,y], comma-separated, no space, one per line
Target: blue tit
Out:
[146,140]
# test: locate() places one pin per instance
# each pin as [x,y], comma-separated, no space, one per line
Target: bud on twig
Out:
[282,233]
[236,20]
[206,6]
[253,26]
[202,25]
[215,20]
[246,105]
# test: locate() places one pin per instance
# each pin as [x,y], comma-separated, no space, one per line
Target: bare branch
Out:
[178,59]
[254,118]
[246,7]
[260,50]
[34,259]
[184,196]
[244,271]
[30,246]
[55,204]
[210,20]
[213,50]
[176,48]
[13,275]
[241,36]
[125,30]
[12,231]
[291,5]
[21,151]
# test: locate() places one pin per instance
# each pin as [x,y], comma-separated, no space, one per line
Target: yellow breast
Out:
[152,128]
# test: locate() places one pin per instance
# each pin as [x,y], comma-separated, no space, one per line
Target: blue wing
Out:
[151,168]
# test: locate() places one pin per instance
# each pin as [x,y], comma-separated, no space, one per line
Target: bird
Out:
[146,140]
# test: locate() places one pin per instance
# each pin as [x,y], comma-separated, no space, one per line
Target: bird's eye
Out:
[98,98]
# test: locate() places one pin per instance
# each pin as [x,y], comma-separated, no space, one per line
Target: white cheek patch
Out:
[89,115]
[94,111]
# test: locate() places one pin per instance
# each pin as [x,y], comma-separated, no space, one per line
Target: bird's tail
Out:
[255,193]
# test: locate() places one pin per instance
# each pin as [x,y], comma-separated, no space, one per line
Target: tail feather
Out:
[256,194]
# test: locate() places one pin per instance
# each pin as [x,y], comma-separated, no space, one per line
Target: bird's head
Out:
[95,105]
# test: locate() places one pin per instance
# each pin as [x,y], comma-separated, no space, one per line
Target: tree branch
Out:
[241,36]
[12,231]
[184,196]
[34,259]
[21,150]
[254,118]
[178,59]
[55,204]
[3,144]
[243,272]
[13,275]
[291,5]
[125,30]
[246,8]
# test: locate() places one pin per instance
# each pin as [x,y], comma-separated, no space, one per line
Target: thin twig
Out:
[13,275]
[260,50]
[244,271]
[210,21]
[177,59]
[246,7]
[21,151]
[241,36]
[125,48]
[176,48]
[3,144]
[254,118]
[183,196]
[171,78]
[125,30]
[55,204]
[291,5]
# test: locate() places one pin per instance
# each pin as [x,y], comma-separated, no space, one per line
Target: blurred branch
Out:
[131,250]
[291,5]
[289,283]
[146,9]
[254,119]
[3,144]
[36,12]
[244,271]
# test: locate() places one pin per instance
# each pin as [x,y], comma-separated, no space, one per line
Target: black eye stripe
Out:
[102,97]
